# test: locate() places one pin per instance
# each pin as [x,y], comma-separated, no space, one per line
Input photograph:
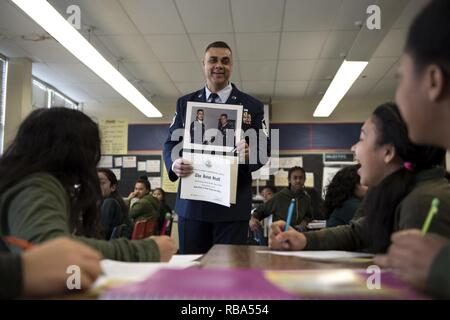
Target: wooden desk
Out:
[236,256]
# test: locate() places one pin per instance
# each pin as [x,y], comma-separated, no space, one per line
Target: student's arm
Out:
[264,210]
[438,283]
[38,212]
[350,237]
[10,276]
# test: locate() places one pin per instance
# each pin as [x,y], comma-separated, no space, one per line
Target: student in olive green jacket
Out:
[403,178]
[278,205]
[423,96]
[145,205]
[49,187]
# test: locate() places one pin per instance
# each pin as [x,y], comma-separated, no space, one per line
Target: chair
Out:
[120,231]
[144,229]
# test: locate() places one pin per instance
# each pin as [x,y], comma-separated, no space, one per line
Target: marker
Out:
[289,216]
[19,243]
[434,208]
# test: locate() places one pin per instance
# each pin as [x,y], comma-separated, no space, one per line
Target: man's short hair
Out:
[200,110]
[218,44]
[224,115]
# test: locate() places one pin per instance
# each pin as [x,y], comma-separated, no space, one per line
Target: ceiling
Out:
[284,50]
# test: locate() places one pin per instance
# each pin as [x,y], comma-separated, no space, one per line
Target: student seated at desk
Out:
[145,205]
[343,196]
[164,208]
[49,186]
[41,271]
[279,204]
[403,178]
[113,211]
[423,95]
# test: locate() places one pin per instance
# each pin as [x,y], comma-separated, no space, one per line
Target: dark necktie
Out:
[213,97]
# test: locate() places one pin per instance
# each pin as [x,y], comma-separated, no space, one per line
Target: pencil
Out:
[19,243]
[433,210]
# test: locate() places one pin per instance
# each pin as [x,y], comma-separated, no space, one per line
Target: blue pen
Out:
[289,217]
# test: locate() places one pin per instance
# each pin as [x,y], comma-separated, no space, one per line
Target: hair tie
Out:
[408,166]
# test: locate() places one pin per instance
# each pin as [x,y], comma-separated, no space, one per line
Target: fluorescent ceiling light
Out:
[55,24]
[347,74]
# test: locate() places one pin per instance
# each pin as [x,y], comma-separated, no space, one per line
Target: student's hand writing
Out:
[182,167]
[411,256]
[45,267]
[166,246]
[281,240]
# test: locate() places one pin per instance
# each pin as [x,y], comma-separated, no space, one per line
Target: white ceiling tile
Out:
[409,13]
[325,69]
[99,91]
[76,73]
[310,15]
[378,68]
[10,49]
[338,43]
[302,45]
[184,71]
[392,73]
[392,45]
[201,41]
[165,90]
[148,72]
[43,72]
[385,88]
[257,70]
[257,46]
[205,16]
[350,12]
[171,48]
[132,48]
[290,89]
[14,22]
[106,16]
[74,92]
[257,15]
[295,69]
[47,51]
[154,17]
[361,87]
[188,87]
[317,88]
[258,88]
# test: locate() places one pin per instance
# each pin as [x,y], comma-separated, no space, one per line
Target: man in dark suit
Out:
[197,129]
[224,126]
[203,224]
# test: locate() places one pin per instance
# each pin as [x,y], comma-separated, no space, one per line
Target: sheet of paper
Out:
[141,165]
[328,255]
[281,179]
[155,182]
[153,166]
[118,162]
[210,180]
[168,185]
[129,162]
[121,272]
[117,173]
[289,162]
[309,182]
[105,162]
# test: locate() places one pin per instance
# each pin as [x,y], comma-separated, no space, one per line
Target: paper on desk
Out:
[123,272]
[328,255]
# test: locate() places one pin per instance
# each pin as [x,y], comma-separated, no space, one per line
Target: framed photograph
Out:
[212,126]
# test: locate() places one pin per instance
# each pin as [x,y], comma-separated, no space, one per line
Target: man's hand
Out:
[182,167]
[411,256]
[254,224]
[45,265]
[166,246]
[290,240]
[243,151]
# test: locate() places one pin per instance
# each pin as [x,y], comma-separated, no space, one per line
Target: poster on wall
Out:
[114,136]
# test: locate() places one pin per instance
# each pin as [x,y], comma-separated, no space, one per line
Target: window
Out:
[45,96]
[3,76]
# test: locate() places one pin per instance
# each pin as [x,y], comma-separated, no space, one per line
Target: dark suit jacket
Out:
[210,212]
